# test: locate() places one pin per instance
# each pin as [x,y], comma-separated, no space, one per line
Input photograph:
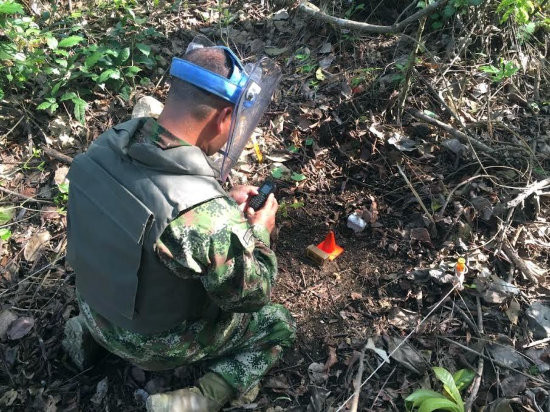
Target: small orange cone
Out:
[329,246]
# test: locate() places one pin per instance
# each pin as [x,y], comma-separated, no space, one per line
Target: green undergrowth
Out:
[65,58]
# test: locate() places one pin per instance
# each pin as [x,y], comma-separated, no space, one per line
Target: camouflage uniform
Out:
[214,243]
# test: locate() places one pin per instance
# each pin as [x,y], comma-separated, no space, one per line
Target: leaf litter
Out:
[337,110]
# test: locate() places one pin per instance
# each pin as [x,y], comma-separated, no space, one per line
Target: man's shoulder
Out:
[211,216]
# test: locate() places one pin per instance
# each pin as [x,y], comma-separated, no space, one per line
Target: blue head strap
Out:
[229,89]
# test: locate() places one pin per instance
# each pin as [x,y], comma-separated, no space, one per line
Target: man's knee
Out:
[282,327]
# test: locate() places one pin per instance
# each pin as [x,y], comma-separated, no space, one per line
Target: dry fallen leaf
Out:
[35,244]
[356,296]
[421,234]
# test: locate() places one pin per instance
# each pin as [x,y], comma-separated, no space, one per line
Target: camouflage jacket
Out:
[215,243]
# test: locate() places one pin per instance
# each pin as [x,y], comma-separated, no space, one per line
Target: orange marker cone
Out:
[329,246]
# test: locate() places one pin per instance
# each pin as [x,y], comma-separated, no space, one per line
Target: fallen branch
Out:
[519,262]
[537,342]
[357,381]
[21,196]
[314,12]
[528,191]
[56,155]
[463,137]
[480,363]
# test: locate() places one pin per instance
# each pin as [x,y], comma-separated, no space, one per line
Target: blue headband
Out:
[228,89]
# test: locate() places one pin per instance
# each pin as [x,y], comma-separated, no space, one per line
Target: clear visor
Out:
[262,82]
[263,78]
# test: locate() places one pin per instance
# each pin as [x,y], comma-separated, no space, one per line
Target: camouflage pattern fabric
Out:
[213,242]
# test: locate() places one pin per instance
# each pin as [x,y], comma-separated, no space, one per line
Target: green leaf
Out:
[5,234]
[448,384]
[44,106]
[309,141]
[132,71]
[463,378]
[52,42]
[68,96]
[277,173]
[6,214]
[80,109]
[124,55]
[144,48]
[421,5]
[437,25]
[108,74]
[1,94]
[11,7]
[433,404]
[417,397]
[298,177]
[297,205]
[93,58]
[293,149]
[70,41]
[63,187]
[62,62]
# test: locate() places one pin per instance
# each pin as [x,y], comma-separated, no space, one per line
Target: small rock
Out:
[147,106]
[538,316]
[7,317]
[325,48]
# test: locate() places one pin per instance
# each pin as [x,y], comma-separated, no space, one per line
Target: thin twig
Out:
[357,381]
[415,193]
[382,388]
[480,362]
[463,137]
[313,11]
[537,342]
[502,365]
[456,187]
[56,154]
[21,196]
[519,262]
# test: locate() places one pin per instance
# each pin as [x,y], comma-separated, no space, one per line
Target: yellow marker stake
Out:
[257,149]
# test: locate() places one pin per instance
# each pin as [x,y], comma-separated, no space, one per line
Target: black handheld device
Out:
[264,191]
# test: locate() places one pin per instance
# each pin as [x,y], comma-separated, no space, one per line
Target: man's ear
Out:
[223,120]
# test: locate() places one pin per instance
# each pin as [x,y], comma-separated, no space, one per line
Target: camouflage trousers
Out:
[240,347]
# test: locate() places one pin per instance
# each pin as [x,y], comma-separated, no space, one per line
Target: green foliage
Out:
[62,196]
[298,177]
[451,8]
[5,234]
[520,10]
[61,61]
[6,214]
[498,74]
[427,400]
[284,206]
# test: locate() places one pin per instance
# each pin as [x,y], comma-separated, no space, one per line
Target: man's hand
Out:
[266,215]
[242,194]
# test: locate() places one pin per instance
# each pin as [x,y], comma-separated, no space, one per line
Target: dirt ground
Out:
[337,121]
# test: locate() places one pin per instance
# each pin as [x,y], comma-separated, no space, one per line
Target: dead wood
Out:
[519,262]
[357,381]
[314,12]
[56,154]
[529,190]
[463,137]
[22,196]
[480,363]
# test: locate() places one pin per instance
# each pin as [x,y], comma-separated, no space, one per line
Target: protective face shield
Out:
[249,88]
